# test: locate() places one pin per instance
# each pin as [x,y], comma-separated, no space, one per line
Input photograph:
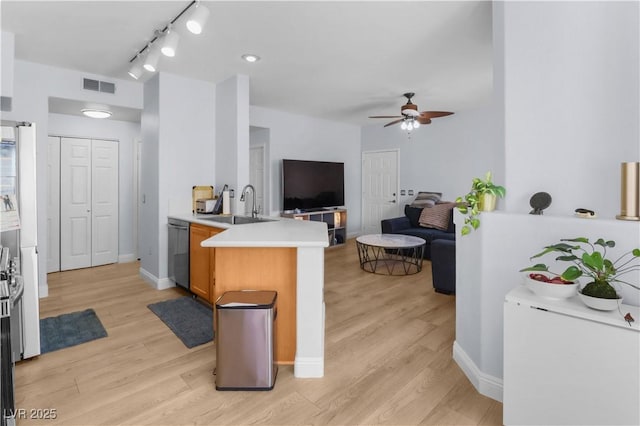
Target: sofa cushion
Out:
[426,199]
[437,217]
[428,234]
[413,213]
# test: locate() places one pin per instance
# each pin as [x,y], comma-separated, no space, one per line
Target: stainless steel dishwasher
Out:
[178,252]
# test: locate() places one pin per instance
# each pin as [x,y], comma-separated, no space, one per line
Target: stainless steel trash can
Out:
[245,340]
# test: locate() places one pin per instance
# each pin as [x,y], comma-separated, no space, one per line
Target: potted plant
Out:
[590,260]
[481,197]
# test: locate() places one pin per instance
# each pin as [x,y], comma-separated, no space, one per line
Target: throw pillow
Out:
[426,199]
[438,216]
[413,213]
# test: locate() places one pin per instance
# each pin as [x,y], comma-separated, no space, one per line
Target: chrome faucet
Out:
[254,212]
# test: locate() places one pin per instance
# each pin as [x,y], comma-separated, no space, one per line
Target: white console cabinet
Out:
[567,364]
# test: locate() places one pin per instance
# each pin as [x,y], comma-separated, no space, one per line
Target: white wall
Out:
[148,241]
[299,137]
[33,85]
[232,134]
[125,133]
[7,53]
[261,137]
[178,152]
[572,102]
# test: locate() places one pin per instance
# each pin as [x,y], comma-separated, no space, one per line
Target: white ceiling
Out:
[339,61]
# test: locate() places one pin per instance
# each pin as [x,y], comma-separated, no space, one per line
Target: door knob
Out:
[392,201]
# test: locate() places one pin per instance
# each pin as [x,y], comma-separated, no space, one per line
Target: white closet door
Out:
[104,202]
[53,204]
[75,203]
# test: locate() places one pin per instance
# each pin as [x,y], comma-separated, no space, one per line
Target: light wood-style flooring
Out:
[387,359]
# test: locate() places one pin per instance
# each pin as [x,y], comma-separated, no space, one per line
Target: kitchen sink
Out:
[236,219]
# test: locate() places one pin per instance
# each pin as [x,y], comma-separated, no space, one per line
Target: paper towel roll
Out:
[226,205]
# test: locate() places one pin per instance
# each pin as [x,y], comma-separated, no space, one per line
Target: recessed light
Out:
[96,113]
[251,58]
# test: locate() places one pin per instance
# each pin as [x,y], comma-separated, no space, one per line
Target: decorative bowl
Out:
[551,290]
[600,304]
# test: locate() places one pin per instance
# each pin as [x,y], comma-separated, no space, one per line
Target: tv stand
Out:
[335,218]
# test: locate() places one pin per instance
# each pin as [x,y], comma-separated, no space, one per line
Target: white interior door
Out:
[256,177]
[379,189]
[53,204]
[75,203]
[104,202]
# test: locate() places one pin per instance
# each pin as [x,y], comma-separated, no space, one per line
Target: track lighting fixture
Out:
[198,18]
[165,41]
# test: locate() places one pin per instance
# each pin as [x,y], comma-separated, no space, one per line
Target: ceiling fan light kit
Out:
[165,41]
[409,117]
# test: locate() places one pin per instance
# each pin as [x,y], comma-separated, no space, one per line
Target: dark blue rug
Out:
[69,330]
[189,319]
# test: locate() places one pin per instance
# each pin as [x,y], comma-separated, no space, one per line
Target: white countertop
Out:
[280,232]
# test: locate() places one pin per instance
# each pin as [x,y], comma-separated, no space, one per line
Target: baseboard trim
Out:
[308,367]
[157,283]
[485,384]
[126,258]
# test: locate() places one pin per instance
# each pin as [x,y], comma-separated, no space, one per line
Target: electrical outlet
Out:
[403,192]
[411,192]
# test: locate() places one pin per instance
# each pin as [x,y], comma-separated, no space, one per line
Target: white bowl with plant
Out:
[590,260]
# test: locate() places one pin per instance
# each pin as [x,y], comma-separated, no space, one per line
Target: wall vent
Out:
[99,86]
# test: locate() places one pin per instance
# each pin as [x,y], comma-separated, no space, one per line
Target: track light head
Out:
[152,58]
[135,71]
[169,42]
[198,18]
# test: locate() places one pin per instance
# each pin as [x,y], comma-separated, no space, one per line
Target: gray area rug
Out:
[68,330]
[189,319]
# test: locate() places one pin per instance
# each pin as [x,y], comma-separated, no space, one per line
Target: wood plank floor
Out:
[387,359]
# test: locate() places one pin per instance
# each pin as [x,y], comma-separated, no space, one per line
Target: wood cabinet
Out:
[336,220]
[202,262]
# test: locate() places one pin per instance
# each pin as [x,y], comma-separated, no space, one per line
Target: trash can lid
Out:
[247,299]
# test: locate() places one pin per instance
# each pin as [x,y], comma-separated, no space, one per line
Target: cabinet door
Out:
[212,266]
[200,261]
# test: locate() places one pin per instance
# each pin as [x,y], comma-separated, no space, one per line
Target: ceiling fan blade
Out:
[423,120]
[434,114]
[385,116]
[393,122]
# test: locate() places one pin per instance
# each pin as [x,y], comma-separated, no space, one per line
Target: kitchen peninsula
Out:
[284,255]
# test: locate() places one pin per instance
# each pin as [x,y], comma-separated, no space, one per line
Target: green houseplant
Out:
[481,197]
[590,260]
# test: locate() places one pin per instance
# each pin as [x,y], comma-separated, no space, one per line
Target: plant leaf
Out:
[601,242]
[571,273]
[536,267]
[577,240]
[636,252]
[593,260]
[465,230]
[475,223]
[610,243]
[567,258]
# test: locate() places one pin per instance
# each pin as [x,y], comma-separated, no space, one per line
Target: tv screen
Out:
[312,185]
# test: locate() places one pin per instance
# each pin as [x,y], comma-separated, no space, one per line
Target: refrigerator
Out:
[18,227]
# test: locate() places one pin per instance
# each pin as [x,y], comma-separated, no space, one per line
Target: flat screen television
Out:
[312,185]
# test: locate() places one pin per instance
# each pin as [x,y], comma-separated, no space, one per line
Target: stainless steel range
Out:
[11,290]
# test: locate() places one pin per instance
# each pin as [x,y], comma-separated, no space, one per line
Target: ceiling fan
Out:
[409,115]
